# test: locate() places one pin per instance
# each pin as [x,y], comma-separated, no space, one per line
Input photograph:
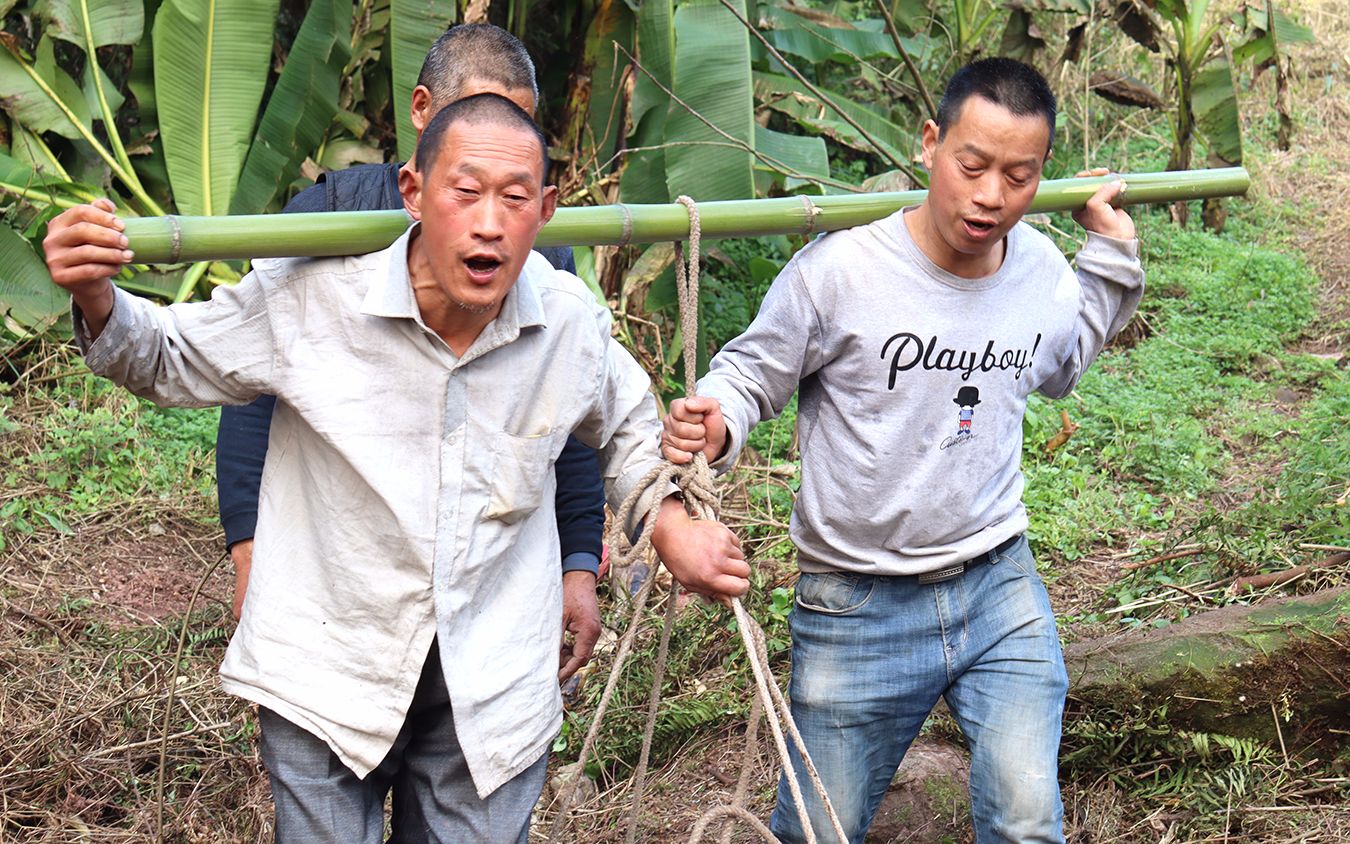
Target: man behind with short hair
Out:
[405,604]
[466,60]
[915,342]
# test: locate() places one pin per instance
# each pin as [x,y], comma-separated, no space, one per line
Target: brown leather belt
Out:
[957,569]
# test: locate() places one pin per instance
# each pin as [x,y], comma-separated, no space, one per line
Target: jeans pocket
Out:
[1019,555]
[833,593]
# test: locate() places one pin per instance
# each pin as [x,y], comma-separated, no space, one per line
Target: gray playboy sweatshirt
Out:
[914,383]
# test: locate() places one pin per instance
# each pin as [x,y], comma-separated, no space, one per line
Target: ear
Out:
[929,136]
[550,204]
[421,111]
[410,187]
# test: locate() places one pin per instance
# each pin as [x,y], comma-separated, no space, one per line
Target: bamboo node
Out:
[627,234]
[175,239]
[812,212]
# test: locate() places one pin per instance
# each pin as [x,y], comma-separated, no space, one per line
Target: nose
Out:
[989,190]
[488,218]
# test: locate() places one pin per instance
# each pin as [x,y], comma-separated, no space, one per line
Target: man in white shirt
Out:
[406,555]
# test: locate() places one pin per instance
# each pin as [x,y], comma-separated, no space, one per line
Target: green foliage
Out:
[89,446]
[200,122]
[414,25]
[27,296]
[1152,416]
[1143,753]
[300,108]
[712,69]
[211,66]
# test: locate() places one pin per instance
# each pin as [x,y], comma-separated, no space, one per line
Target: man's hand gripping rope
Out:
[695,481]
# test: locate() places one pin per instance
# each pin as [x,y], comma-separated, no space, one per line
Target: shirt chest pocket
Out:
[521,470]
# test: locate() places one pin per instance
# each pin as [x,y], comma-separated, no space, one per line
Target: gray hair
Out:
[475,51]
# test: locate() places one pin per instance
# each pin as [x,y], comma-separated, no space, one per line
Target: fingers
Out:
[684,434]
[1107,193]
[693,425]
[700,404]
[572,657]
[583,646]
[690,446]
[728,586]
[690,431]
[85,243]
[675,454]
[569,663]
[1095,171]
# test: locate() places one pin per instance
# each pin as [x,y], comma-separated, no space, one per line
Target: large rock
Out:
[1231,670]
[928,801]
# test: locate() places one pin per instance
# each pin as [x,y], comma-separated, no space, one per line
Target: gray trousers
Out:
[318,799]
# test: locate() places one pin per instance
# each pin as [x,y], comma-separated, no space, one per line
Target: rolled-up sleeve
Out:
[624,426]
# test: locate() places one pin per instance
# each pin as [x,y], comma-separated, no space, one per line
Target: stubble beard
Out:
[476,310]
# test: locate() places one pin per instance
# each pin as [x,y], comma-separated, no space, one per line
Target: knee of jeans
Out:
[1021,803]
[786,826]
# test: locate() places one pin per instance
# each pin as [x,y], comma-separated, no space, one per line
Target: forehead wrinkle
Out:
[468,168]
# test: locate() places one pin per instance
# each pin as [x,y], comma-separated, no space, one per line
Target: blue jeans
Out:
[318,799]
[870,658]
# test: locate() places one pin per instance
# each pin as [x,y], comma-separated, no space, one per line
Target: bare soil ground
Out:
[109,731]
[90,649]
[1313,175]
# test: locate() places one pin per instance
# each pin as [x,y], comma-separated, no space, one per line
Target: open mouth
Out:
[977,228]
[482,266]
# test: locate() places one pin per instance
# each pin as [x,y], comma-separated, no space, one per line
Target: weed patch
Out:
[81,446]
[1155,419]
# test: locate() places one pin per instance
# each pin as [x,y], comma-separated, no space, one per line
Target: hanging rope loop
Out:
[695,481]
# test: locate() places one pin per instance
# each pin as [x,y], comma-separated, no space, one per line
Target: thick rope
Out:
[696,483]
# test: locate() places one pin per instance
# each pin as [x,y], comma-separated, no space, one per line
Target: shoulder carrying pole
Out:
[173,239]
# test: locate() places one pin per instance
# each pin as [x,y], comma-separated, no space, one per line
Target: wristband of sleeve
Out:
[581,561]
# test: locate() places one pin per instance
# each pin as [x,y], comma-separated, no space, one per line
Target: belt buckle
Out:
[941,575]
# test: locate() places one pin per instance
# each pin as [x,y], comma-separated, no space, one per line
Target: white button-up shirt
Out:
[408,492]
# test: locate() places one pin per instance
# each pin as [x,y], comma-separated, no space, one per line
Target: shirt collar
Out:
[391,295]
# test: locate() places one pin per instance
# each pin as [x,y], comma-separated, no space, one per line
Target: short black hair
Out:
[1018,87]
[478,110]
[475,51]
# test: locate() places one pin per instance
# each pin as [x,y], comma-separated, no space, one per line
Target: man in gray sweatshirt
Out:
[914,342]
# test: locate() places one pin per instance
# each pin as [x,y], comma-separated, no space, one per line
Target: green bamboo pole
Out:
[158,240]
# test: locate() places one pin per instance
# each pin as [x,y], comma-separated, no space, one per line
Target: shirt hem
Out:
[253,694]
[898,564]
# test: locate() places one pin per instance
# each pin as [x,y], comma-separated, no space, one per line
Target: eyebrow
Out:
[523,176]
[971,148]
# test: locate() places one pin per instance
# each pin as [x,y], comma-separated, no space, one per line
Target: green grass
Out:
[83,446]
[1157,420]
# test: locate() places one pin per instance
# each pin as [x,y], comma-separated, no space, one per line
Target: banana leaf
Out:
[712,75]
[788,96]
[801,156]
[40,95]
[644,173]
[211,64]
[414,26]
[301,107]
[27,294]
[613,26]
[817,43]
[1214,103]
[109,21]
[19,178]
